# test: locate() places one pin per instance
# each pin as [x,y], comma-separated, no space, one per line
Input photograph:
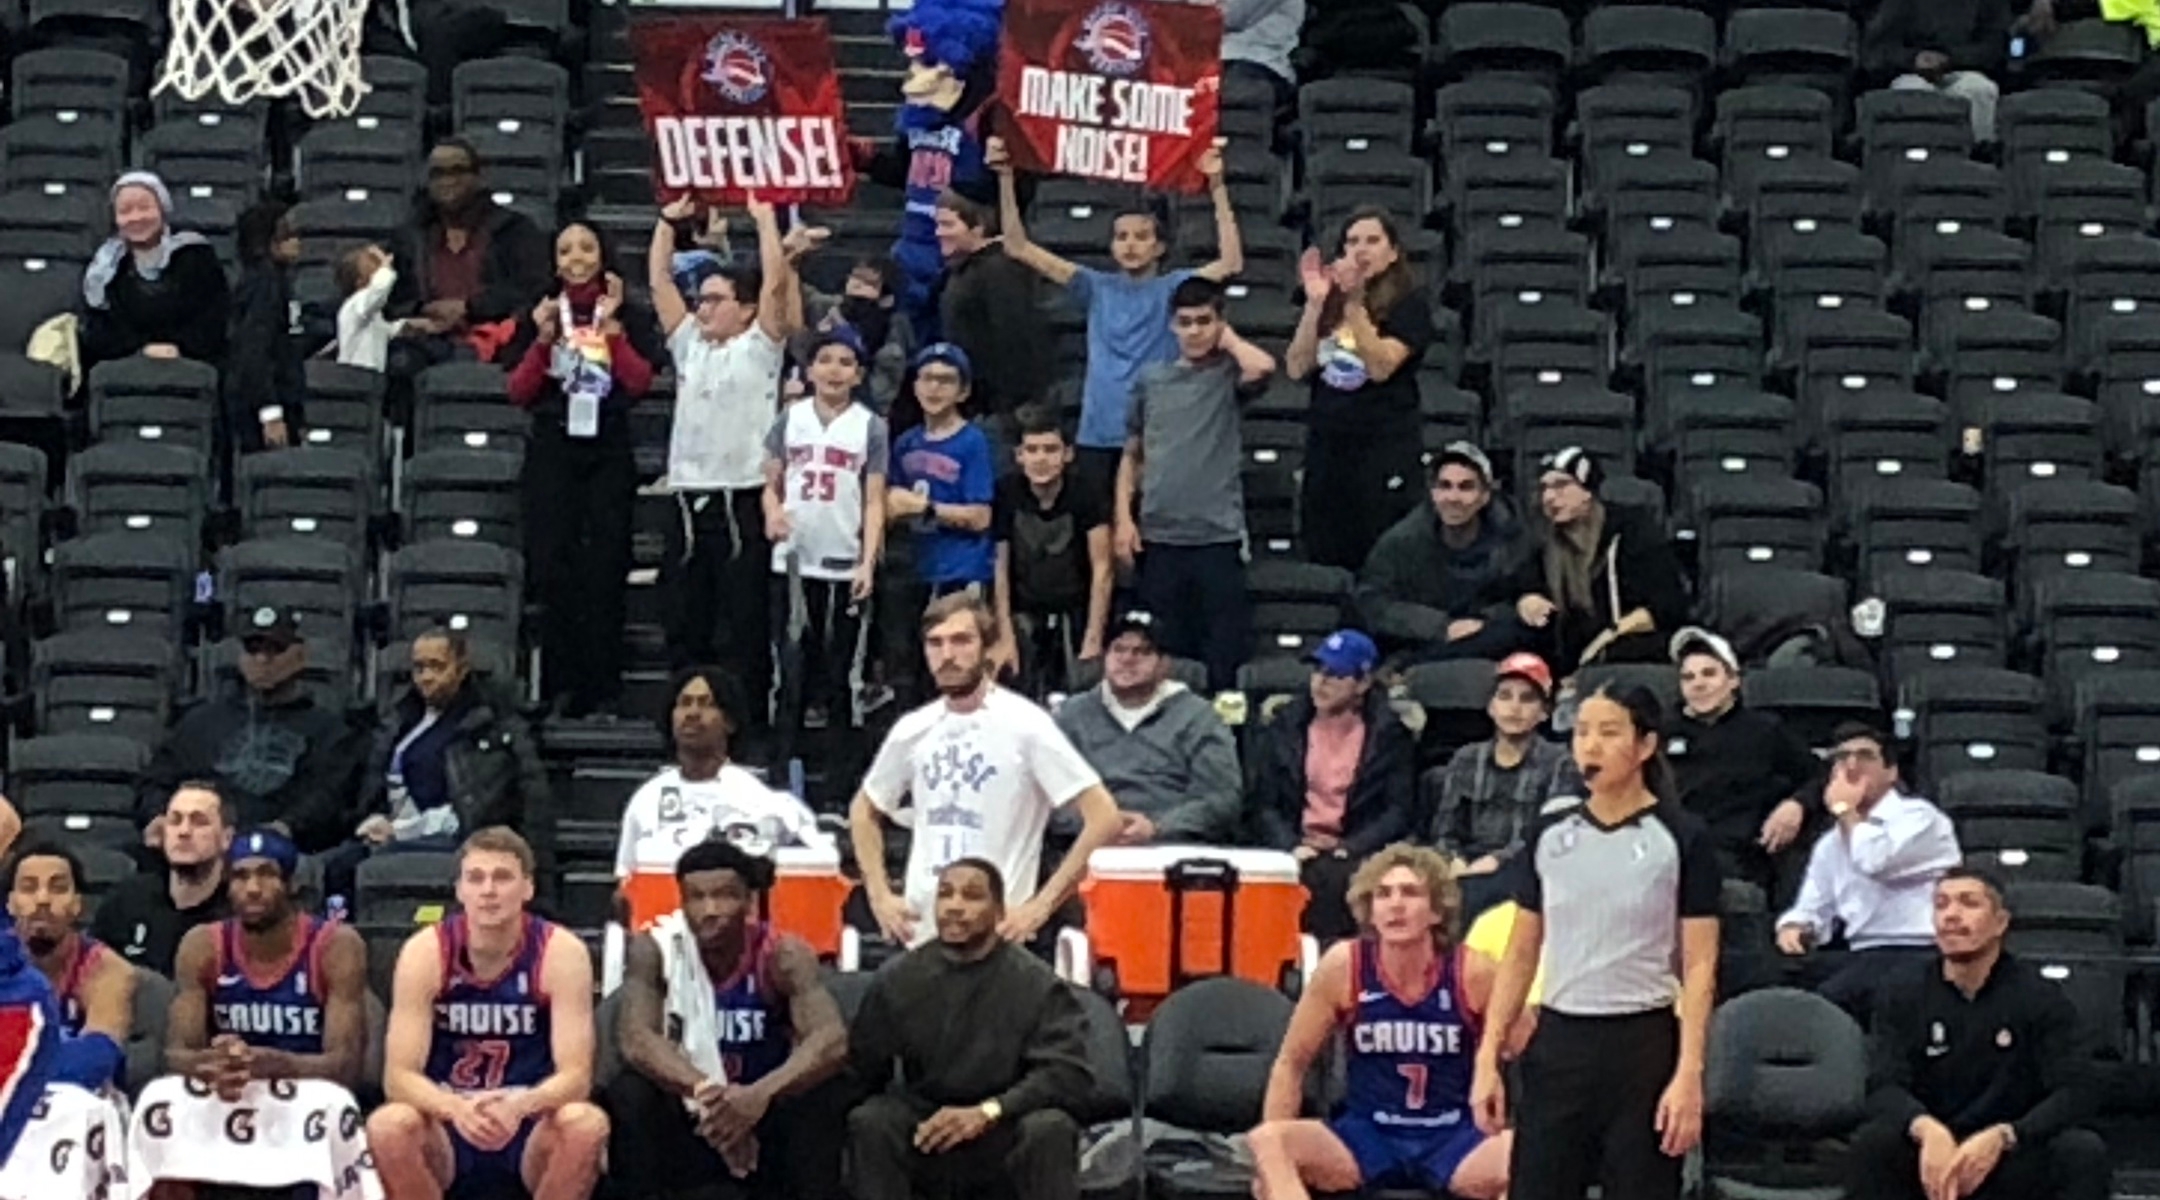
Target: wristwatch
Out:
[991,1110]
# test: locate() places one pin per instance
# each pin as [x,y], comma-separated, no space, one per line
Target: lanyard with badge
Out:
[584,365]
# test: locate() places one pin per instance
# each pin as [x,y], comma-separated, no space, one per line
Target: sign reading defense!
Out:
[742,105]
[1120,90]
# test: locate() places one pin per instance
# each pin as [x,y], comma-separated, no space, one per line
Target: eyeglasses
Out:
[708,300]
[1859,754]
[938,378]
[450,170]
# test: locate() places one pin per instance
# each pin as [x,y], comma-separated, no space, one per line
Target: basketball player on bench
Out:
[94,985]
[489,1056]
[739,1098]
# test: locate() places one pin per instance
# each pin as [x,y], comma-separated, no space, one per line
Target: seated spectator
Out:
[467,260]
[1603,580]
[1981,1076]
[867,305]
[1435,577]
[583,359]
[1738,769]
[1334,777]
[94,986]
[1870,884]
[1488,795]
[1180,506]
[980,1103]
[2130,96]
[365,276]
[263,377]
[1128,310]
[1365,328]
[145,915]
[989,308]
[729,1039]
[1922,46]
[152,289]
[1054,563]
[276,756]
[1165,756]
[941,489]
[1259,37]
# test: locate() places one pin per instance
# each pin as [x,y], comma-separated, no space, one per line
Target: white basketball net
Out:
[241,49]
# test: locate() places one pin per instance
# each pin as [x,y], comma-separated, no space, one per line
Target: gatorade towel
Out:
[29,1032]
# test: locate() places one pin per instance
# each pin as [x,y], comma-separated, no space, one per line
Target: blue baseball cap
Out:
[1346,653]
[841,334]
[949,354]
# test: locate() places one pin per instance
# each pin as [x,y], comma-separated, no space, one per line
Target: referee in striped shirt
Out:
[1623,887]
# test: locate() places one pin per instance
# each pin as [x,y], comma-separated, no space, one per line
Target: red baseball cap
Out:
[1524,665]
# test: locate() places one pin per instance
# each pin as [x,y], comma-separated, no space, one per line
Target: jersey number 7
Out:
[480,1065]
[1413,1085]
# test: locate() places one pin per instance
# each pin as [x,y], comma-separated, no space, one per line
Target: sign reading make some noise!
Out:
[742,105]
[1119,90]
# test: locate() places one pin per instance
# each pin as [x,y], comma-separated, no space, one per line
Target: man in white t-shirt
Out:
[728,355]
[984,768]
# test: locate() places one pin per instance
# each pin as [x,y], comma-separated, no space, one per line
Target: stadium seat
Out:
[70,84]
[524,167]
[319,579]
[1454,695]
[343,163]
[2077,525]
[2117,724]
[1340,181]
[1508,188]
[202,162]
[1971,719]
[1883,435]
[22,517]
[1544,345]
[2073,933]
[403,887]
[1765,131]
[172,402]
[1759,607]
[1616,123]
[123,581]
[1730,433]
[2103,278]
[307,491]
[151,1008]
[2022,825]
[509,95]
[2053,126]
[1641,197]
[1649,42]
[1786,1072]
[1934,617]
[1517,41]
[2073,202]
[145,487]
[86,775]
[121,684]
[1662,680]
[1357,114]
[1813,701]
[1205,1060]
[1536,420]
[1699,352]
[463,405]
[1911,521]
[1757,520]
[1805,47]
[1497,116]
[464,494]
[1679,269]
[2030,437]
[1509,269]
[463,586]
[36,287]
[54,157]
[1992,352]
[345,408]
[2091,622]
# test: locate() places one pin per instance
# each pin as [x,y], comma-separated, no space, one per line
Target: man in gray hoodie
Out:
[1161,750]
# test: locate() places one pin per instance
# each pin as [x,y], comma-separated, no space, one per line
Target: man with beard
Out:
[726,1035]
[990,1045]
[94,986]
[145,915]
[268,1013]
[985,768]
[489,1056]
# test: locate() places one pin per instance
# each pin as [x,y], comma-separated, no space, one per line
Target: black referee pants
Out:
[1588,1109]
[1883,1163]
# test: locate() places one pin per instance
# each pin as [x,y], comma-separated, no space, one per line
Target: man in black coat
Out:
[464,260]
[1334,777]
[1948,46]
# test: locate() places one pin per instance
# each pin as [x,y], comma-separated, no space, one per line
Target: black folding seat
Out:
[2073,932]
[1813,701]
[1523,268]
[1902,521]
[1494,116]
[1204,1066]
[462,585]
[307,491]
[1077,216]
[1508,191]
[141,487]
[32,392]
[2108,277]
[2091,623]
[342,163]
[1804,47]
[525,168]
[509,95]
[464,494]
[1994,352]
[464,405]
[172,108]
[1357,114]
[1649,42]
[71,84]
[1758,520]
[1730,433]
[1836,351]
[217,219]
[1448,412]
[1454,695]
[123,581]
[1761,130]
[1615,123]
[2117,725]
[1535,421]
[1971,719]
[2030,436]
[1699,350]
[1942,195]
[2052,126]
[2070,203]
[1803,197]
[1340,181]
[121,684]
[1759,607]
[1826,269]
[23,480]
[1274,443]
[54,157]
[55,233]
[172,402]
[344,407]
[1656,195]
[2021,824]
[318,578]
[1683,269]
[1527,41]
[206,161]
[1924,617]
[1544,345]
[1899,128]
[84,782]
[2079,525]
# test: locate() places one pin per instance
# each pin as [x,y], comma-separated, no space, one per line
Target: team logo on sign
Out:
[1115,39]
[737,67]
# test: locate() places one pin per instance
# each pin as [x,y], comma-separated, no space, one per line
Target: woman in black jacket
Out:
[1604,585]
[265,380]
[1334,778]
[152,289]
[453,757]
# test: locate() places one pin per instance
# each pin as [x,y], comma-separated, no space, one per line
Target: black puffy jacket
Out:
[496,777]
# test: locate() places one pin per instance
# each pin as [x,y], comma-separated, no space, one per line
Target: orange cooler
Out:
[807,896]
[1161,916]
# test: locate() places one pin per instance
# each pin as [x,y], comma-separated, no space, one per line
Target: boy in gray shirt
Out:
[1180,509]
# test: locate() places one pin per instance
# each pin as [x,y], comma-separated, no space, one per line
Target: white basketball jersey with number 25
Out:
[824,468]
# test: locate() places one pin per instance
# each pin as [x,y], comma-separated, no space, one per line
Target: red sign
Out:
[1120,90]
[742,105]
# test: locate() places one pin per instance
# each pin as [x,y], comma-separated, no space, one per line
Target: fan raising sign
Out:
[742,105]
[1120,90]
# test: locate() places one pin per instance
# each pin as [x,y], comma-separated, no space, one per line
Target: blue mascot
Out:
[951,47]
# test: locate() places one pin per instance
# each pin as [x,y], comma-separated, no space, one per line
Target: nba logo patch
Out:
[1115,38]
[738,68]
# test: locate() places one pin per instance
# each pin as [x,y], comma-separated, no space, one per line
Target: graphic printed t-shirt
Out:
[1048,547]
[725,397]
[1344,395]
[950,470]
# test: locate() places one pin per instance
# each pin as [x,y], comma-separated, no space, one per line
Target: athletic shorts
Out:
[483,1172]
[1419,1159]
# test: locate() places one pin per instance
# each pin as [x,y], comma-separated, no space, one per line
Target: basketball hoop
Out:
[242,49]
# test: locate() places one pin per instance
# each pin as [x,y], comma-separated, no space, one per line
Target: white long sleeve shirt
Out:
[1877,879]
[363,332]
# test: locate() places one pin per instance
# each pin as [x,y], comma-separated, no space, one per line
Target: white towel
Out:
[689,995]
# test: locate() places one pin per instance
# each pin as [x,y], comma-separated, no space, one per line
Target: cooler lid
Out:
[1147,863]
